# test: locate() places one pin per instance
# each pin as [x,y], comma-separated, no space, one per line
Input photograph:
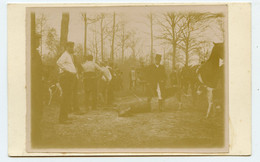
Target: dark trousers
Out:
[74,103]
[90,85]
[110,92]
[66,81]
[152,92]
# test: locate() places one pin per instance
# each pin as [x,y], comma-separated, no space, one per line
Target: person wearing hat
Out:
[67,76]
[156,78]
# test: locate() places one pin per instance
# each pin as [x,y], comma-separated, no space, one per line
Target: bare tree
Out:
[64,31]
[220,22]
[170,31]
[113,37]
[150,16]
[87,21]
[41,22]
[52,42]
[102,29]
[132,43]
[123,37]
[104,33]
[36,84]
[193,25]
[94,44]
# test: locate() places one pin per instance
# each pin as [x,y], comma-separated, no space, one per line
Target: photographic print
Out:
[127,79]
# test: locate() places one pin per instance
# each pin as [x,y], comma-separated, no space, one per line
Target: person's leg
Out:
[149,95]
[109,94]
[69,96]
[104,92]
[161,104]
[65,98]
[75,95]
[94,94]
[87,93]
[62,116]
[131,84]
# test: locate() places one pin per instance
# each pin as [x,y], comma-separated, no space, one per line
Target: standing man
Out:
[67,76]
[75,87]
[132,75]
[111,85]
[156,78]
[90,69]
[104,82]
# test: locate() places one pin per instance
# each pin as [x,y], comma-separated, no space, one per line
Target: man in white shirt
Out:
[90,69]
[156,79]
[67,75]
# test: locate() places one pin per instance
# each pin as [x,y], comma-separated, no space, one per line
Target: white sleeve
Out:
[61,61]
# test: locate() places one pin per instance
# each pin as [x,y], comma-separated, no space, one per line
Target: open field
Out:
[102,128]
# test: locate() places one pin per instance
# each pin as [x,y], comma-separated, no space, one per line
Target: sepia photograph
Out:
[127,79]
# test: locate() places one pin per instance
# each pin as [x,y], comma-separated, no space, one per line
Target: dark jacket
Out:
[156,75]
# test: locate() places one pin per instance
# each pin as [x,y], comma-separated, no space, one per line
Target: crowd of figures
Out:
[101,79]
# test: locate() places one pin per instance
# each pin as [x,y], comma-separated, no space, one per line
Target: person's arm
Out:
[106,73]
[98,67]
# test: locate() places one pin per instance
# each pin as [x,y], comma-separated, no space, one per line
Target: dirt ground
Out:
[102,128]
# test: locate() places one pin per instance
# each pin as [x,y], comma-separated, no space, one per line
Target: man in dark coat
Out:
[156,78]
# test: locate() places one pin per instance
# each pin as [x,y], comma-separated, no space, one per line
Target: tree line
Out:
[180,34]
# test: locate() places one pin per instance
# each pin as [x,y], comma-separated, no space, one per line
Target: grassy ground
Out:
[102,128]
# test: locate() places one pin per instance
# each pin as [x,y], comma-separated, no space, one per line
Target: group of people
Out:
[101,76]
[93,75]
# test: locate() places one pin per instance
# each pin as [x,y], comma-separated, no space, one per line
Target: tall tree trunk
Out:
[173,55]
[64,31]
[96,47]
[113,37]
[173,41]
[133,54]
[85,33]
[36,86]
[151,23]
[123,44]
[187,41]
[187,54]
[164,57]
[33,31]
[101,39]
[41,36]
